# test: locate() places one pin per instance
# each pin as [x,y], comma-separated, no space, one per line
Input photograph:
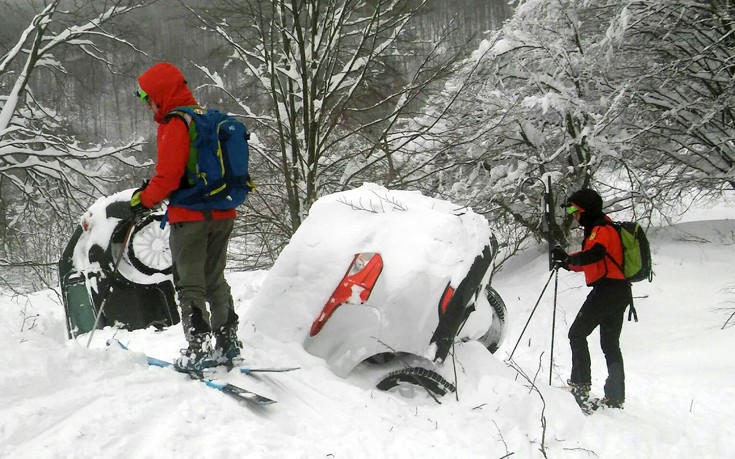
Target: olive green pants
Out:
[199,254]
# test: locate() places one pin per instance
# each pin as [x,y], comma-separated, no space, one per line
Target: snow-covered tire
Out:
[494,336]
[148,249]
[417,376]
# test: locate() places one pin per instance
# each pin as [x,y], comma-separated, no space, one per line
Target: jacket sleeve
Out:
[587,257]
[172,156]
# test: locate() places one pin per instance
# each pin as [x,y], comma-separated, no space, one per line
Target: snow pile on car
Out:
[417,236]
[97,228]
[99,223]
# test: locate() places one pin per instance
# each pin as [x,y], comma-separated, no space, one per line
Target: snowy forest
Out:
[474,101]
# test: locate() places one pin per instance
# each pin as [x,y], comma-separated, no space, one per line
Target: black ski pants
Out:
[199,253]
[604,307]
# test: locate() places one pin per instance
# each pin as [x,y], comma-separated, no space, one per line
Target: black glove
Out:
[559,257]
[136,205]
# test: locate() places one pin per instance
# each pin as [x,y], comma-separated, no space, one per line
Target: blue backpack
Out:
[217,170]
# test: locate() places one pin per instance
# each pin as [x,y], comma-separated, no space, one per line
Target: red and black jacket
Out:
[165,85]
[601,243]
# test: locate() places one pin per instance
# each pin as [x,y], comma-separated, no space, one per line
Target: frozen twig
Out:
[359,205]
[375,207]
[27,319]
[397,205]
[500,434]
[730,289]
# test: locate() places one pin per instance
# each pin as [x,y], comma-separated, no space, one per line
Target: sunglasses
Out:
[140,94]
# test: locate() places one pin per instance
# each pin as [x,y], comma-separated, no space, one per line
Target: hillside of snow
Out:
[60,399]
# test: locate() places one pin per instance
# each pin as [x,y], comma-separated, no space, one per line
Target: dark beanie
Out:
[588,200]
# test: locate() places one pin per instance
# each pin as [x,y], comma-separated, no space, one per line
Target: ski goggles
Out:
[572,209]
[142,95]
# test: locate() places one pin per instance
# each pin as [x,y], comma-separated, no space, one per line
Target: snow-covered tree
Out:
[681,91]
[538,104]
[337,79]
[46,174]
[631,98]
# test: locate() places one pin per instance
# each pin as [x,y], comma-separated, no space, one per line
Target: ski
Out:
[214,371]
[236,392]
[247,371]
[244,370]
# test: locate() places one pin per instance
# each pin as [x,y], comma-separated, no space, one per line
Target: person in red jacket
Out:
[600,260]
[198,239]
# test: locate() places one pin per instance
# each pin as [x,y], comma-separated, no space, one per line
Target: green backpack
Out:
[637,262]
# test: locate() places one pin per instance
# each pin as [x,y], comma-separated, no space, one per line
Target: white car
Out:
[385,279]
[120,265]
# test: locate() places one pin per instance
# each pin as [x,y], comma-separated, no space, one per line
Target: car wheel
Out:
[416,377]
[148,249]
[494,336]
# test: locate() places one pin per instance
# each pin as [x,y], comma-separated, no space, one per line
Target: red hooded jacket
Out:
[165,85]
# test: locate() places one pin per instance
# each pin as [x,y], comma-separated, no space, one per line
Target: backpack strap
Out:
[632,312]
[620,238]
[185,114]
[615,262]
[182,115]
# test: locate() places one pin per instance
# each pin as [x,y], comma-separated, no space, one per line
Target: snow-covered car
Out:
[119,264]
[386,279]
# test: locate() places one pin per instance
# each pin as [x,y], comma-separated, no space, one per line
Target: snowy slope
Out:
[59,399]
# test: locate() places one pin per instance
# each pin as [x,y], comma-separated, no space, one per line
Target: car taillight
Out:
[355,287]
[445,299]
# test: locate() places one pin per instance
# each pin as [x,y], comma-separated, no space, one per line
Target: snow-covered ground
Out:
[59,399]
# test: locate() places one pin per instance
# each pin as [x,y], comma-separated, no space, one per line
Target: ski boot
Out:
[581,393]
[601,404]
[228,346]
[607,403]
[197,357]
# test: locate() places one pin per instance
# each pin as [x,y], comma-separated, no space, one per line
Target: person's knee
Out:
[191,294]
[578,342]
[612,352]
[610,345]
[219,292]
[576,334]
